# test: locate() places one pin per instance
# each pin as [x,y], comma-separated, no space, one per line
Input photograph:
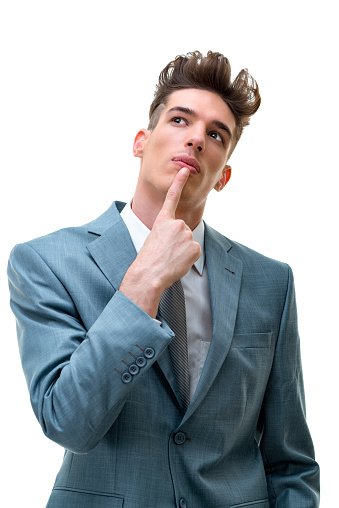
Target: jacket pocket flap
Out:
[263,503]
[69,498]
[252,340]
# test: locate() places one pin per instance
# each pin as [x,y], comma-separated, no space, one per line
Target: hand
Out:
[170,251]
[167,254]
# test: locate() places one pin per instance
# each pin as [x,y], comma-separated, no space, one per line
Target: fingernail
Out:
[185,171]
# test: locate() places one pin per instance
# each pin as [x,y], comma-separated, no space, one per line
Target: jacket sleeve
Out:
[291,471]
[74,375]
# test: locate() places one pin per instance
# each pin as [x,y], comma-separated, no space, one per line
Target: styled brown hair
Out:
[212,73]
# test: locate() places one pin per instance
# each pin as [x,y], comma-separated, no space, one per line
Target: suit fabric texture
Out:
[243,441]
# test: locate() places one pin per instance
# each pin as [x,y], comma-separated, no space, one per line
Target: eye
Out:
[178,120]
[217,136]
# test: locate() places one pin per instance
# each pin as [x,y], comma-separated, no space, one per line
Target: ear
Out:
[139,142]
[226,175]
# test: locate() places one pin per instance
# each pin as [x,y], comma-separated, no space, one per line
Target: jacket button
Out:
[179,438]
[182,503]
[141,361]
[133,369]
[149,353]
[126,377]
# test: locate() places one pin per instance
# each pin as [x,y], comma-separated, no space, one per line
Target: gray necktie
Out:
[173,310]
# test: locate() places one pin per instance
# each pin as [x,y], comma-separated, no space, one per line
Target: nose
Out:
[196,139]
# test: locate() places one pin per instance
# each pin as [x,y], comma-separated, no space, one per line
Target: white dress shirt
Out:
[197,297]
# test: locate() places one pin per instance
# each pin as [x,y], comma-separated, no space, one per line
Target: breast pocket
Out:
[249,362]
[68,498]
[252,340]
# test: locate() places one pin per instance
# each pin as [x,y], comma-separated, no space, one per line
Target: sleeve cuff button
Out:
[126,377]
[141,361]
[149,353]
[133,369]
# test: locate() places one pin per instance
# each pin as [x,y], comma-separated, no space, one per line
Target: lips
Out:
[186,161]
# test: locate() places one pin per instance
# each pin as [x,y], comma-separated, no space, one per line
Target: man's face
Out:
[194,130]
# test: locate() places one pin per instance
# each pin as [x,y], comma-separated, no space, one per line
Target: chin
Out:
[189,197]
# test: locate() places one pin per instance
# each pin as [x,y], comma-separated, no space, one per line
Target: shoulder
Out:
[253,262]
[64,242]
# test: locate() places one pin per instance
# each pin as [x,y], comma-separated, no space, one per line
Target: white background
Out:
[77,78]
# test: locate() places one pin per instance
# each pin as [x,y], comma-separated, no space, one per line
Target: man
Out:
[191,402]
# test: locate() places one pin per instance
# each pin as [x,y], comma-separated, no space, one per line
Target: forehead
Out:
[208,106]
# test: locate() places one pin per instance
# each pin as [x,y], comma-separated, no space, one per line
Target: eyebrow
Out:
[191,112]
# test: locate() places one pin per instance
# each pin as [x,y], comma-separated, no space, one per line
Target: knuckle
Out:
[197,249]
[179,225]
[171,195]
[189,234]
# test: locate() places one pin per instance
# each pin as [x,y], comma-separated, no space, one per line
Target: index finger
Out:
[174,192]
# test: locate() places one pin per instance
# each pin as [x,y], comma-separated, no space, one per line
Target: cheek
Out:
[216,167]
[156,150]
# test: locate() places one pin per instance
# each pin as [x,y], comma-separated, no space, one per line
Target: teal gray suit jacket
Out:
[243,442]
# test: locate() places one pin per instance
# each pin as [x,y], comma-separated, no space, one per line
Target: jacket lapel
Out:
[224,275]
[165,364]
[113,252]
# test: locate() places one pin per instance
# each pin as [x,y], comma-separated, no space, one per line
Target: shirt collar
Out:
[139,232]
